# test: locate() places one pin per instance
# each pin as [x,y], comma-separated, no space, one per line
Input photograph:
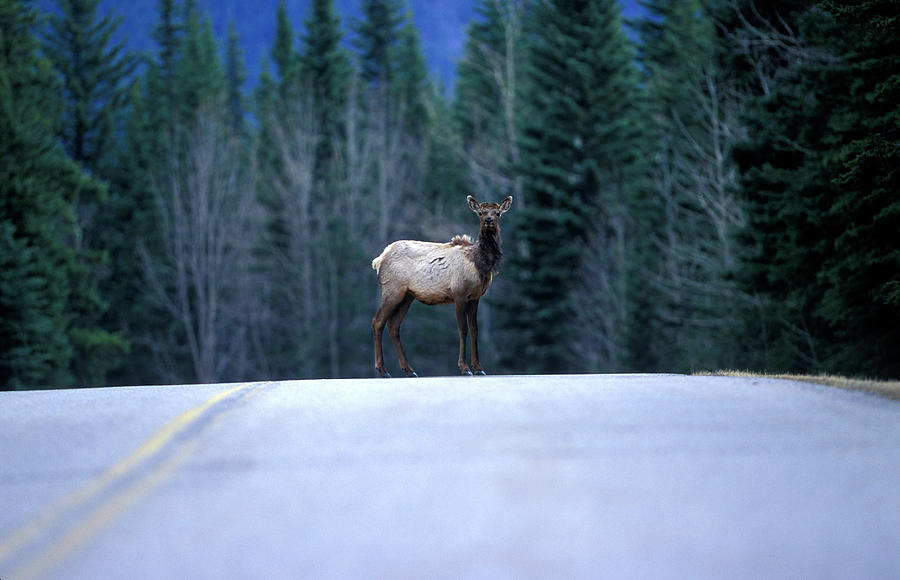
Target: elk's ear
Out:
[504,207]
[473,205]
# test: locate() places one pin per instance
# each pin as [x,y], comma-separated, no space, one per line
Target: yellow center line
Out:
[101,516]
[33,530]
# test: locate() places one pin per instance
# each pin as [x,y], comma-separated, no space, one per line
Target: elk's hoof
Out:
[385,375]
[466,373]
[412,375]
[481,373]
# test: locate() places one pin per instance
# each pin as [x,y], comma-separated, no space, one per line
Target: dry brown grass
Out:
[889,389]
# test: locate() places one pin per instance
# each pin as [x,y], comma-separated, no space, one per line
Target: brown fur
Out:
[458,271]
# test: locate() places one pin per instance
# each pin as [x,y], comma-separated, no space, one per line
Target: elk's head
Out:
[489,213]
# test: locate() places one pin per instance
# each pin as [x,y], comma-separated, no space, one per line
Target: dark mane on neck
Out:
[487,253]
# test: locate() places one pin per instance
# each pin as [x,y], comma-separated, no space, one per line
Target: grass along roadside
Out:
[889,389]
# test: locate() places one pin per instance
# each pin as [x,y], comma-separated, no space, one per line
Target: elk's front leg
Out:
[463,326]
[472,319]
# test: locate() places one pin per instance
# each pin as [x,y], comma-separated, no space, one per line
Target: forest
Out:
[712,186]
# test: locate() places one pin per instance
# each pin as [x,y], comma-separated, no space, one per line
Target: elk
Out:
[458,271]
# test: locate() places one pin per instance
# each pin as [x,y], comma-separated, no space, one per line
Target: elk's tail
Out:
[376,263]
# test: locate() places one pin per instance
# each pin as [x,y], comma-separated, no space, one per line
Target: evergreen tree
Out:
[198,222]
[289,144]
[46,294]
[862,299]
[179,143]
[131,221]
[168,38]
[325,72]
[446,174]
[388,69]
[377,36]
[94,74]
[818,253]
[478,100]
[264,107]
[162,71]
[236,76]
[410,83]
[488,90]
[577,149]
[130,226]
[693,121]
[284,54]
[787,234]
[200,78]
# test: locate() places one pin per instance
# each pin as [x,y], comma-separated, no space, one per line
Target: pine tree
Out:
[236,76]
[410,83]
[284,54]
[34,348]
[95,74]
[179,210]
[818,171]
[194,262]
[784,173]
[377,36]
[577,149]
[130,226]
[862,299]
[200,79]
[162,72]
[478,105]
[693,120]
[488,95]
[131,221]
[325,70]
[294,157]
[46,292]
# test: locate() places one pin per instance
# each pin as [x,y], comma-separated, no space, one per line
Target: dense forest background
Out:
[441,22]
[713,185]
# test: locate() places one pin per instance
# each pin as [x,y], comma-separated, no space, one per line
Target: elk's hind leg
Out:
[394,322]
[389,303]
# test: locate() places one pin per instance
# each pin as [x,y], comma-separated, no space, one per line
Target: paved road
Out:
[631,476]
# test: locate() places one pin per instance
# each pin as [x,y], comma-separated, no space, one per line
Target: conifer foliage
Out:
[693,116]
[711,185]
[577,145]
[95,73]
[48,300]
[819,169]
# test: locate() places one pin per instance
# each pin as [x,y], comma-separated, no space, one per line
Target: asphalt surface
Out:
[604,476]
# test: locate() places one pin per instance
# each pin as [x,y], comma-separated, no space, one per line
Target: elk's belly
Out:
[441,274]
[432,293]
[432,299]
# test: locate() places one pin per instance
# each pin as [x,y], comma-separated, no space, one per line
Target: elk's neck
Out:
[487,251]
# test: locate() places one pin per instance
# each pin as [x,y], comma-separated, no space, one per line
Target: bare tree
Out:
[400,158]
[331,217]
[492,155]
[205,203]
[599,298]
[695,118]
[296,136]
[767,42]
